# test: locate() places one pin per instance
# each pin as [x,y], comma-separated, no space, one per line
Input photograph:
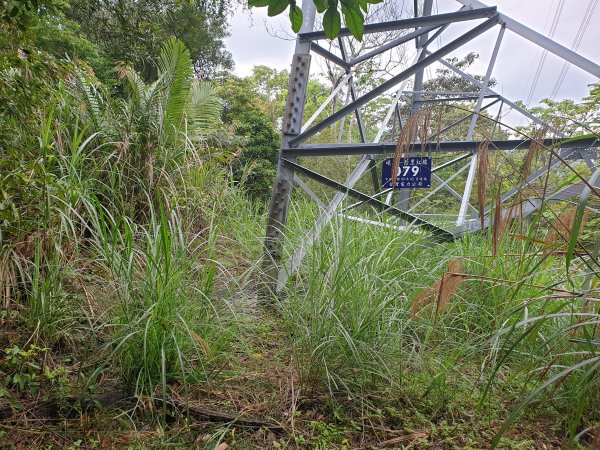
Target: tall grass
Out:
[121,246]
[516,304]
[550,335]
[127,233]
[348,312]
[167,328]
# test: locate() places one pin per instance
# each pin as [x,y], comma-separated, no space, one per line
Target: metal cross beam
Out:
[465,118]
[326,216]
[330,56]
[513,105]
[435,169]
[390,45]
[429,21]
[539,39]
[527,207]
[388,148]
[401,82]
[443,184]
[387,85]
[370,200]
[468,98]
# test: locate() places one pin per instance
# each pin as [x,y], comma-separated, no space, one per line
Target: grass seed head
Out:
[442,290]
[562,227]
[482,174]
[499,224]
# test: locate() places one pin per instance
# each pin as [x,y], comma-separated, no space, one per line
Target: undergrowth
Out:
[131,260]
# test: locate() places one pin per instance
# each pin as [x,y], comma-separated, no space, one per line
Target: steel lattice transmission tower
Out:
[422,30]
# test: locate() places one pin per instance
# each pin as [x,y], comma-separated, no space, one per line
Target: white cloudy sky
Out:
[252,43]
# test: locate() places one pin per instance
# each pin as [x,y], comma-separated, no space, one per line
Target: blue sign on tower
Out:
[414,173]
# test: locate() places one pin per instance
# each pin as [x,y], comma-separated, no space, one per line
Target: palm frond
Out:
[90,97]
[153,108]
[135,85]
[203,110]
[175,75]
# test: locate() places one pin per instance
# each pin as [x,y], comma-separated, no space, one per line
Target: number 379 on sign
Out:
[414,173]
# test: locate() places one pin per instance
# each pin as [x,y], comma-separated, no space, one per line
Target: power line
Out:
[587,18]
[537,53]
[540,66]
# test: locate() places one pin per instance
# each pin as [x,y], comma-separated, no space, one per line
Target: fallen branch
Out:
[69,406]
[73,406]
[417,435]
[199,412]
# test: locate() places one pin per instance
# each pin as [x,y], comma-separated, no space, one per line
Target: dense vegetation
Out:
[134,177]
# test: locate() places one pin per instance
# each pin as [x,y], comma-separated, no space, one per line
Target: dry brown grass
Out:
[499,224]
[425,122]
[7,281]
[561,229]
[483,164]
[441,291]
[532,156]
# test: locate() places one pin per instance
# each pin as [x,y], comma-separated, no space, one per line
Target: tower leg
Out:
[292,124]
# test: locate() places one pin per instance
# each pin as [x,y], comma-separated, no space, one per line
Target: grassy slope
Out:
[340,363]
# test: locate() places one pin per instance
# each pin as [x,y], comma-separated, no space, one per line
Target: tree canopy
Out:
[106,32]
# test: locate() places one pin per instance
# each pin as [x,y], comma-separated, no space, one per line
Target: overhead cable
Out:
[587,18]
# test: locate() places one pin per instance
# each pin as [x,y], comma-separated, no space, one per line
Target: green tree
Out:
[134,31]
[257,139]
[450,112]
[18,15]
[270,86]
[59,36]
[569,117]
[46,30]
[161,123]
